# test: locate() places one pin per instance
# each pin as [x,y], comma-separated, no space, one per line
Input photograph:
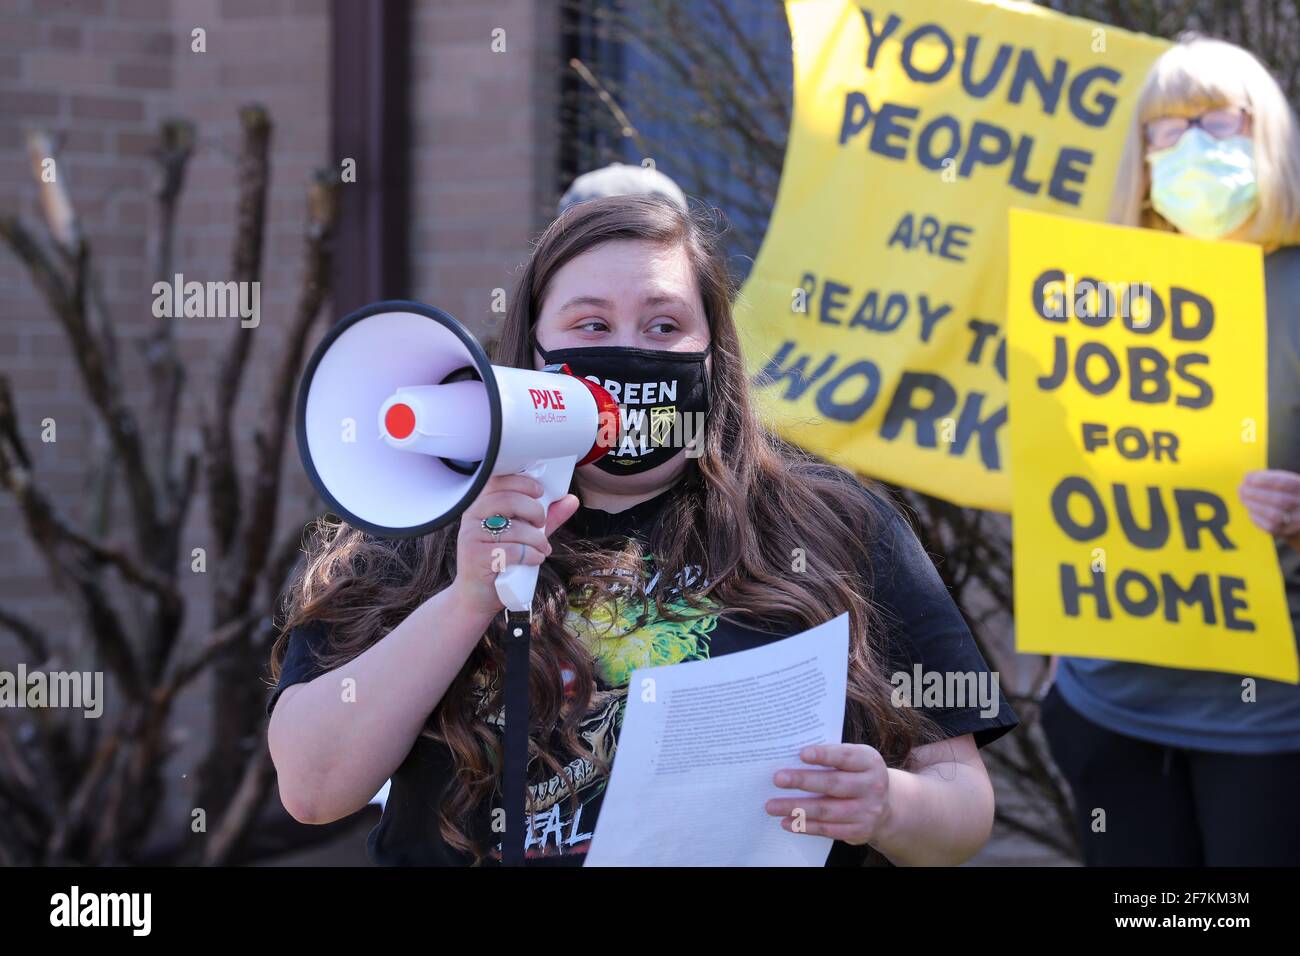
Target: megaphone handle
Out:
[516,584]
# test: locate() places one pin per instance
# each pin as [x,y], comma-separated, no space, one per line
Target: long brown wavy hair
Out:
[747,507]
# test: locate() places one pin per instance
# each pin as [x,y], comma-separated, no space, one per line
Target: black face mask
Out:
[668,392]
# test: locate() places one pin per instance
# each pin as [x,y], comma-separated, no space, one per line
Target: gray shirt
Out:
[1204,710]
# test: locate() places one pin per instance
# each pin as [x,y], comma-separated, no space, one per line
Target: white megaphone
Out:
[402,420]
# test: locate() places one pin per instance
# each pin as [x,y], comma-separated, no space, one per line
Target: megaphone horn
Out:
[402,420]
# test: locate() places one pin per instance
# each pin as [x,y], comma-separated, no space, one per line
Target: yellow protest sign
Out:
[873,315]
[1138,395]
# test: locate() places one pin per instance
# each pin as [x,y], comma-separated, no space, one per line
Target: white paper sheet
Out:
[700,744]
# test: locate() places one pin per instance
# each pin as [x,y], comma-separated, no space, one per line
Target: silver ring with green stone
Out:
[496,525]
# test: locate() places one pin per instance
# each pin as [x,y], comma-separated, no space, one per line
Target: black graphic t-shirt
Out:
[925,631]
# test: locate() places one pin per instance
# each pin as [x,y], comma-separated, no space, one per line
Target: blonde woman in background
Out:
[1188,769]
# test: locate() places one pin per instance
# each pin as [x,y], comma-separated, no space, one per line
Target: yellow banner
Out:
[874,311]
[1138,388]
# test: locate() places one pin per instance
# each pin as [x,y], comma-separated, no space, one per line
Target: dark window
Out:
[706,86]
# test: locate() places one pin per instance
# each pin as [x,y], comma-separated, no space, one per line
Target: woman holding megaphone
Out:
[1182,767]
[391,659]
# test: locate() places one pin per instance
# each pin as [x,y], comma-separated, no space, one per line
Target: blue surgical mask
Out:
[1204,186]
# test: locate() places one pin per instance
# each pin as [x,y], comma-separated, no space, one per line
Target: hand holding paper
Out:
[852,786]
[700,744]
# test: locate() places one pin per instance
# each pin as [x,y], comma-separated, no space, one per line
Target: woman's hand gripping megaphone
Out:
[482,557]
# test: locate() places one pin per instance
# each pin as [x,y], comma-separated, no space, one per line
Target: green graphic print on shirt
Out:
[621,636]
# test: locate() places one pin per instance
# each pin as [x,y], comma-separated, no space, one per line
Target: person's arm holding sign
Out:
[1273,499]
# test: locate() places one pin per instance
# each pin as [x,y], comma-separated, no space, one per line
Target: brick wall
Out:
[94,78]
[484,148]
[102,74]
